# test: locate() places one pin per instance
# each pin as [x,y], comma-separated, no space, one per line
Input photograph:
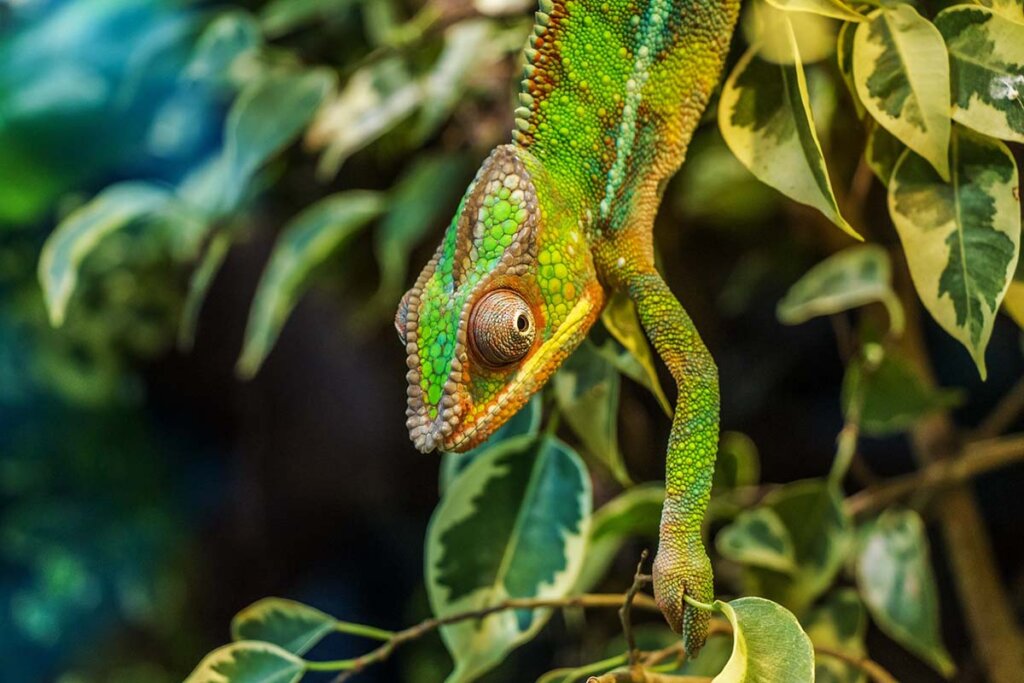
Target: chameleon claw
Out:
[676,575]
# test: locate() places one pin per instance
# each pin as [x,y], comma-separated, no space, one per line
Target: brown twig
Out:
[979,457]
[426,626]
[871,668]
[1006,412]
[625,612]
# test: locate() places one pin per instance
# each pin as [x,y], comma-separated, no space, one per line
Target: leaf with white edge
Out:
[765,118]
[839,623]
[513,525]
[768,644]
[893,397]
[894,576]
[586,389]
[115,208]
[267,117]
[882,152]
[432,185]
[901,70]
[1011,9]
[248,662]
[375,100]
[758,538]
[826,8]
[634,513]
[290,625]
[1013,303]
[961,238]
[854,277]
[767,27]
[987,54]
[844,57]
[822,536]
[306,242]
[524,423]
[620,319]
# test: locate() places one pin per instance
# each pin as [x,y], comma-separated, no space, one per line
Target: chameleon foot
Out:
[678,574]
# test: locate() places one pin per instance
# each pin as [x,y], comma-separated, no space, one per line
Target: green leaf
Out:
[586,389]
[765,117]
[882,153]
[636,512]
[1011,9]
[772,30]
[311,237]
[284,16]
[758,538]
[813,514]
[115,208]
[738,463]
[961,238]
[844,57]
[987,54]
[288,624]
[248,662]
[230,36]
[839,623]
[895,579]
[199,286]
[768,644]
[431,187]
[901,70]
[524,423]
[853,277]
[514,525]
[826,8]
[894,396]
[266,118]
[620,319]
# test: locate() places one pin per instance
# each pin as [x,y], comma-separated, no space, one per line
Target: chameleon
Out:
[556,222]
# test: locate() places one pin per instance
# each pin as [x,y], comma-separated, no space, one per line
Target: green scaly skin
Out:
[554,222]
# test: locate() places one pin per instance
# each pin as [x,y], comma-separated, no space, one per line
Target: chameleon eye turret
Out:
[501,328]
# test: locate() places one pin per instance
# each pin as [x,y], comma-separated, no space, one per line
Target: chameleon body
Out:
[556,221]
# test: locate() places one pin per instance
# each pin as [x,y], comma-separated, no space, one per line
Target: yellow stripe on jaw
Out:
[576,318]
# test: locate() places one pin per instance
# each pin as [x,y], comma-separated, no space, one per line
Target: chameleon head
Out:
[508,295]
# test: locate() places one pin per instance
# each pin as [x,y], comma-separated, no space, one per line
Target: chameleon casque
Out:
[553,224]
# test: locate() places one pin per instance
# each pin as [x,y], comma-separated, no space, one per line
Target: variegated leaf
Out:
[961,237]
[987,53]
[513,525]
[1011,9]
[768,644]
[844,58]
[248,662]
[882,152]
[288,624]
[765,118]
[901,70]
[835,9]
[840,624]
[758,538]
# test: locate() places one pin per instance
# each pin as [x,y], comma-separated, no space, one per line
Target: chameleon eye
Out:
[502,328]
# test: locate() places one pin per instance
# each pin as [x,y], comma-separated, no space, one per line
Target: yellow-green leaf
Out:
[826,8]
[987,53]
[767,26]
[961,237]
[882,152]
[620,319]
[894,576]
[765,117]
[854,277]
[312,237]
[758,538]
[901,70]
[1014,302]
[768,644]
[844,58]
[288,624]
[840,624]
[1011,9]
[248,662]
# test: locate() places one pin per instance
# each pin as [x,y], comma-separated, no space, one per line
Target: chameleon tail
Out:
[681,566]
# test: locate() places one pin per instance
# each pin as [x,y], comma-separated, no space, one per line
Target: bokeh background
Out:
[147,492]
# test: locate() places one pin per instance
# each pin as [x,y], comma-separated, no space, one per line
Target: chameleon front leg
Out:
[681,566]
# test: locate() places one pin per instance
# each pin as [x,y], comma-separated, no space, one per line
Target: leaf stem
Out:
[334,665]
[693,602]
[364,631]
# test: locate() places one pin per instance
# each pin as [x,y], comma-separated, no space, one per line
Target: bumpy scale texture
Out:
[611,94]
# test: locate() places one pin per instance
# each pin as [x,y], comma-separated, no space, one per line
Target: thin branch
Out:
[426,626]
[871,668]
[979,457]
[1006,412]
[625,612]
